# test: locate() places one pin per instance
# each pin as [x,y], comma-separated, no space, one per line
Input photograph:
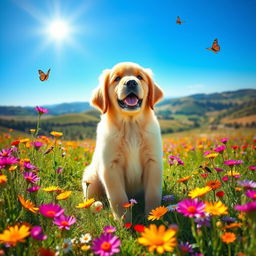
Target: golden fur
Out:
[128,154]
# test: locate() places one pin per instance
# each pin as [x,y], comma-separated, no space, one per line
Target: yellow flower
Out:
[233,173]
[157,213]
[87,203]
[32,130]
[184,179]
[216,208]
[228,237]
[64,195]
[197,192]
[24,140]
[27,204]
[13,168]
[3,179]
[56,134]
[14,234]
[158,239]
[212,155]
[51,189]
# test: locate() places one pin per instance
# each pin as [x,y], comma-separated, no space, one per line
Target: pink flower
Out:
[41,110]
[219,169]
[6,161]
[248,207]
[253,168]
[191,208]
[29,166]
[109,229]
[33,189]
[37,144]
[179,161]
[220,149]
[106,245]
[225,178]
[233,162]
[31,177]
[51,210]
[224,140]
[64,222]
[6,152]
[251,194]
[37,233]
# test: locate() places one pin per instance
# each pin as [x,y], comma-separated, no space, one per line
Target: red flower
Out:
[204,175]
[220,193]
[139,228]
[235,147]
[128,225]
[15,143]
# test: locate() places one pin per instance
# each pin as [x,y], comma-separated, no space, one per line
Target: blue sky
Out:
[105,32]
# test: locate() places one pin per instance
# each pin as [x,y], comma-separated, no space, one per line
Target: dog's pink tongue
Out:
[131,101]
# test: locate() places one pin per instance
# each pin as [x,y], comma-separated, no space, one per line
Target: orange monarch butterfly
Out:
[43,76]
[178,21]
[215,46]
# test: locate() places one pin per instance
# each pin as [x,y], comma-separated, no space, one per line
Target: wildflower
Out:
[212,155]
[59,170]
[233,225]
[85,247]
[31,177]
[133,201]
[96,206]
[3,179]
[63,195]
[168,198]
[7,161]
[247,184]
[51,189]
[87,203]
[224,140]
[128,225]
[225,178]
[204,175]
[203,220]
[213,184]
[14,234]
[158,238]
[41,110]
[219,169]
[220,193]
[220,149]
[234,174]
[25,140]
[28,165]
[184,179]
[139,228]
[46,252]
[186,247]
[37,233]
[233,162]
[33,189]
[172,207]
[249,193]
[37,144]
[56,134]
[6,152]
[228,237]
[216,208]
[252,168]
[64,222]
[176,159]
[27,204]
[51,210]
[109,229]
[157,213]
[127,205]
[191,208]
[86,238]
[106,245]
[235,147]
[15,143]
[248,207]
[12,168]
[197,192]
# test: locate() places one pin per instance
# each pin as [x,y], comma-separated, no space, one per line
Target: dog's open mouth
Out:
[130,102]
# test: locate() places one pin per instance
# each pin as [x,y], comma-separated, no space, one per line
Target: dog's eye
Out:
[139,77]
[118,78]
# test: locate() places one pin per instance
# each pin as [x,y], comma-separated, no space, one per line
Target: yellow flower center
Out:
[64,223]
[50,213]
[191,209]
[105,246]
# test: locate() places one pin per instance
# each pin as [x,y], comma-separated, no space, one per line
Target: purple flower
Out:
[186,247]
[109,229]
[233,162]
[6,152]
[168,197]
[191,208]
[253,168]
[64,222]
[5,161]
[246,184]
[33,189]
[41,110]
[179,161]
[59,170]
[31,177]
[172,207]
[248,207]
[219,169]
[220,149]
[106,245]
[133,201]
[203,220]
[251,194]
[229,219]
[29,166]
[37,233]
[51,210]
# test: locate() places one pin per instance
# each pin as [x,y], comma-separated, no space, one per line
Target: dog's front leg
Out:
[113,182]
[152,179]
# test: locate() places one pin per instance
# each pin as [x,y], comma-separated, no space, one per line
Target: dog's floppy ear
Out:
[155,93]
[100,97]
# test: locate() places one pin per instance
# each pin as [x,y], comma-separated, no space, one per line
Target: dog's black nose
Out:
[131,84]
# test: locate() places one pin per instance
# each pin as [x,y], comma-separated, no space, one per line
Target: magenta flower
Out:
[253,168]
[247,184]
[31,177]
[220,149]
[37,233]
[6,152]
[41,110]
[59,170]
[251,194]
[64,222]
[37,144]
[191,208]
[233,162]
[186,247]
[109,229]
[224,140]
[219,169]
[106,245]
[33,189]
[179,161]
[225,178]
[207,152]
[6,161]
[248,207]
[29,166]
[51,210]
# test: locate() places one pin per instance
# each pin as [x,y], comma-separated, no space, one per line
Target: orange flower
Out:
[157,213]
[216,208]
[233,225]
[184,179]
[213,184]
[127,205]
[56,134]
[228,237]
[3,179]
[27,204]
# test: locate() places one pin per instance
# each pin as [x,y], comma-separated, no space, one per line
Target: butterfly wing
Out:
[41,75]
[215,46]
[178,20]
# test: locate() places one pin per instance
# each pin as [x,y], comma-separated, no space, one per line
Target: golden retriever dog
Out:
[128,153]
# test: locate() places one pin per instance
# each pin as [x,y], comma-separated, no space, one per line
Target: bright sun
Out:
[59,30]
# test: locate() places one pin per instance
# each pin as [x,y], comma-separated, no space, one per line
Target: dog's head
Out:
[126,88]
